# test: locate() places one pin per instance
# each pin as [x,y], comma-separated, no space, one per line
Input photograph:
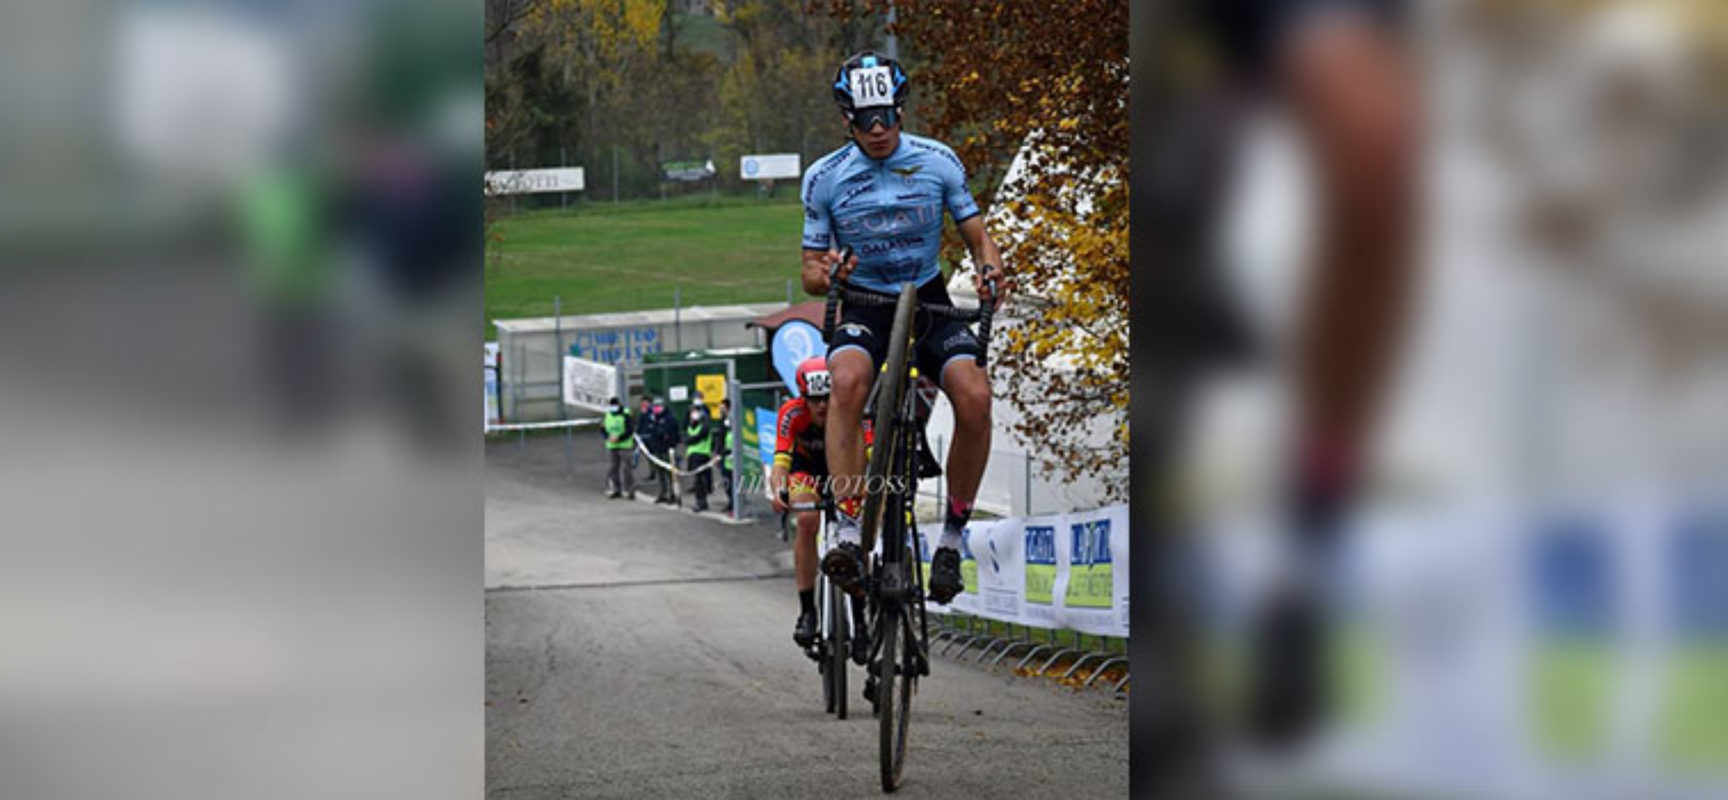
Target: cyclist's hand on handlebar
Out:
[833,258]
[992,272]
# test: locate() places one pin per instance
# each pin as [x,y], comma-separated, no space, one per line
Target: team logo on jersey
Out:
[853,194]
[906,173]
[855,330]
[890,222]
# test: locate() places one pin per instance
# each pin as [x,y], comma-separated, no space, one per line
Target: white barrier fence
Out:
[1066,571]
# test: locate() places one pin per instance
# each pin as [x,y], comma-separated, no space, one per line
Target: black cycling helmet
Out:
[870,87]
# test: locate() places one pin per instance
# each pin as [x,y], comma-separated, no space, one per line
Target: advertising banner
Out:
[793,342]
[768,167]
[750,469]
[588,384]
[688,170]
[1050,571]
[534,181]
[765,437]
[713,389]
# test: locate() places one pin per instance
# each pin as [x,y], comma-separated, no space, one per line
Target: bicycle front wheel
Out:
[825,664]
[838,644]
[892,720]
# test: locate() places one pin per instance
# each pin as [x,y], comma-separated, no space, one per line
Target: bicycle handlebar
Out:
[866,298]
[833,294]
[838,290]
[986,312]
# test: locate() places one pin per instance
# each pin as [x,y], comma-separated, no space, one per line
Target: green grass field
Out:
[631,256]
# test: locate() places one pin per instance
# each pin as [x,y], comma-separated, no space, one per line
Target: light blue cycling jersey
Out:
[889,211]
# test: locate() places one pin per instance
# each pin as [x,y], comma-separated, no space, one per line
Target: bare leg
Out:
[843,436]
[968,390]
[804,545]
[1354,93]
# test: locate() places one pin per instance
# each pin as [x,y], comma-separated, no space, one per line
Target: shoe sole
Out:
[846,579]
[937,591]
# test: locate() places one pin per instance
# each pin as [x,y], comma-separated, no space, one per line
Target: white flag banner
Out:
[1052,571]
[588,384]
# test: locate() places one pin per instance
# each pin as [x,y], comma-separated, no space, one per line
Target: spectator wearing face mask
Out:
[620,444]
[699,450]
[662,444]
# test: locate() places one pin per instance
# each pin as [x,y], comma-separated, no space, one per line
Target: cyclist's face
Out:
[879,139]
[818,409]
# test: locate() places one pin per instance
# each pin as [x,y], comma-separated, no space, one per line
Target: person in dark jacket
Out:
[723,449]
[665,441]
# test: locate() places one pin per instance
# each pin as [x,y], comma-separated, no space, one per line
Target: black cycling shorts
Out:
[938,340]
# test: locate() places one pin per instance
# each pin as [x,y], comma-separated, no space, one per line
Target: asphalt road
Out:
[633,650]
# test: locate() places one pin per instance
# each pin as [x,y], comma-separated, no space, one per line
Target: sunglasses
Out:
[863,119]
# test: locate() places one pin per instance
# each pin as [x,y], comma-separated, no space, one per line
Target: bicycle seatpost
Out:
[986,310]
[833,294]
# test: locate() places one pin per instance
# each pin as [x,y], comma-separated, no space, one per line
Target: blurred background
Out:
[1527,587]
[241,518]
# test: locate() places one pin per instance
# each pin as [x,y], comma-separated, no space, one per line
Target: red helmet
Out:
[813,379]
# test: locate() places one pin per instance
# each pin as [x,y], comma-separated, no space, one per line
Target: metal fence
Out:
[1059,654]
[616,173]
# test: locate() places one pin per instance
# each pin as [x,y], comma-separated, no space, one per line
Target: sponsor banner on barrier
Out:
[750,470]
[1052,571]
[1094,593]
[588,384]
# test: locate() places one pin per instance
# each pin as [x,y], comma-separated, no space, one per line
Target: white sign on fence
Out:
[588,384]
[769,167]
[533,181]
[1052,571]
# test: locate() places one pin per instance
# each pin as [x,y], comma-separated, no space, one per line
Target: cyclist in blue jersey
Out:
[883,194]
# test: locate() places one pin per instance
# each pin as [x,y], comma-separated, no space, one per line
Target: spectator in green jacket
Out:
[619,445]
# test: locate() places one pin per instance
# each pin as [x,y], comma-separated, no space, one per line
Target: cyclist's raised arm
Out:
[985,257]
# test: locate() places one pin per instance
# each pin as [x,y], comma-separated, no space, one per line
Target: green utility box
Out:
[661,373]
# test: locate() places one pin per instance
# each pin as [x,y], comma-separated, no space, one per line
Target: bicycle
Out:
[834,643]
[893,586]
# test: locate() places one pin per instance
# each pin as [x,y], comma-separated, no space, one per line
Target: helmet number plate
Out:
[872,86]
